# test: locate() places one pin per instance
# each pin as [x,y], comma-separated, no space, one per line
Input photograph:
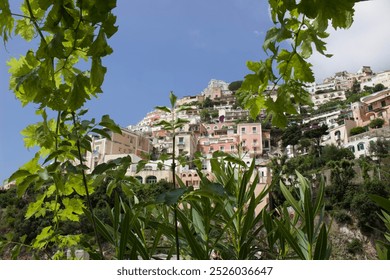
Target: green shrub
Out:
[355,246]
[377,123]
[342,217]
[357,130]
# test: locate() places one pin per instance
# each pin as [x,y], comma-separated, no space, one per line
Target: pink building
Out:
[251,138]
[247,136]
[372,107]
[225,143]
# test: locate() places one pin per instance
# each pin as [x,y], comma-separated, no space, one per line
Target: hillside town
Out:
[217,123]
[349,114]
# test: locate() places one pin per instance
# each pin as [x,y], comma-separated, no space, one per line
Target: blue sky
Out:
[180,45]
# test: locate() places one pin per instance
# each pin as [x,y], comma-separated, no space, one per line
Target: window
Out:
[243,130]
[254,142]
[232,147]
[360,146]
[211,149]
[352,148]
[151,180]
[369,107]
[139,178]
[181,140]
[383,103]
[222,148]
[254,129]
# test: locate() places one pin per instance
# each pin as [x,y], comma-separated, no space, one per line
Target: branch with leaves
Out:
[299,27]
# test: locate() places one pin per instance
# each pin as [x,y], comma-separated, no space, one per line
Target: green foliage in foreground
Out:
[221,219]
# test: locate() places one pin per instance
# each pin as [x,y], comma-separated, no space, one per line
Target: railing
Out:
[379,132]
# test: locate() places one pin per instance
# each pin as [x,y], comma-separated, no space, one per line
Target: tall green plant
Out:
[172,126]
[304,229]
[51,76]
[383,246]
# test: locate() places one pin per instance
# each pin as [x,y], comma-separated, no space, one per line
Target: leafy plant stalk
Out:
[85,183]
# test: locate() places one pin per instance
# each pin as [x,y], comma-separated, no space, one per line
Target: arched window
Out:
[360,146]
[352,148]
[139,178]
[337,134]
[151,180]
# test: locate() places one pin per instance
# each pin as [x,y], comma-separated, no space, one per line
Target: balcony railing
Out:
[379,132]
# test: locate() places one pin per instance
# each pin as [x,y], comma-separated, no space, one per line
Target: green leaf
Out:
[110,124]
[109,27]
[100,47]
[171,197]
[24,184]
[140,165]
[381,202]
[319,204]
[6,21]
[340,13]
[293,66]
[102,132]
[35,206]
[110,187]
[25,29]
[255,105]
[97,72]
[104,230]
[309,216]
[125,232]
[198,223]
[55,48]
[18,174]
[73,208]
[43,238]
[80,92]
[291,200]
[290,239]
[172,99]
[54,154]
[163,108]
[197,250]
[103,167]
[321,250]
